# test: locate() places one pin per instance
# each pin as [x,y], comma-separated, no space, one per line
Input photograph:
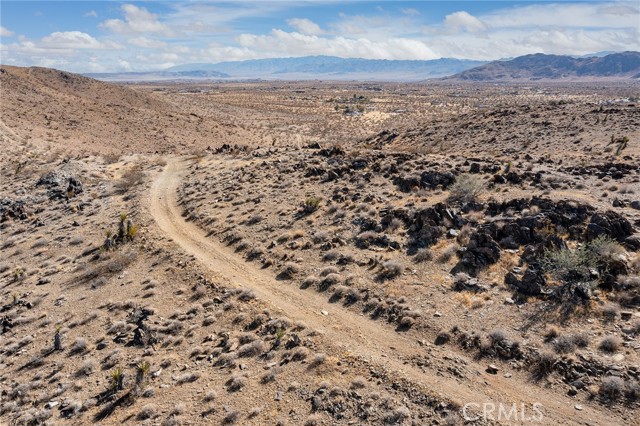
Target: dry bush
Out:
[610,344]
[129,179]
[466,189]
[391,269]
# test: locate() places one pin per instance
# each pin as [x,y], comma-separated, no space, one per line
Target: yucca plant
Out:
[116,379]
[142,368]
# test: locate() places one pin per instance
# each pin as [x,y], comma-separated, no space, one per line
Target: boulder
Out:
[481,251]
[610,224]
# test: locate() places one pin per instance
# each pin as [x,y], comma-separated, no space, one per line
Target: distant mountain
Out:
[159,75]
[309,68]
[539,66]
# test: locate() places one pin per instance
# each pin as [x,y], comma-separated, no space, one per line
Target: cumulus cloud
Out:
[5,32]
[91,14]
[136,20]
[282,43]
[464,21]
[305,26]
[75,40]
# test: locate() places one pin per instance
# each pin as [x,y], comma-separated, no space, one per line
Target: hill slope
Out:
[77,112]
[552,67]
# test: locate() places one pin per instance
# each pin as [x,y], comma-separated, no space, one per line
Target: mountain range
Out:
[538,66]
[602,65]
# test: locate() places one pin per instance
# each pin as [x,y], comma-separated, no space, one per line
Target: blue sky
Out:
[109,36]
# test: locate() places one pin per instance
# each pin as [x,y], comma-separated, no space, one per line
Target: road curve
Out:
[347,329]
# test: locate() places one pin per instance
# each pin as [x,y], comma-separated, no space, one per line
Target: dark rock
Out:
[465,283]
[428,225]
[499,179]
[432,180]
[531,283]
[13,209]
[442,338]
[492,369]
[481,251]
[610,224]
[633,242]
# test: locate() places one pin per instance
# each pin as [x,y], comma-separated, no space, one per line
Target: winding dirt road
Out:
[349,331]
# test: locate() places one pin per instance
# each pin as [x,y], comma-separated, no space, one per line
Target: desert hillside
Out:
[80,113]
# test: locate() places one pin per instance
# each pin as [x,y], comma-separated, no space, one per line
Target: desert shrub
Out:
[551,332]
[395,224]
[498,336]
[289,271]
[632,390]
[423,255]
[448,253]
[610,344]
[131,178]
[328,281]
[328,270]
[79,346]
[311,204]
[391,269]
[256,218]
[318,359]
[187,378]
[581,340]
[300,354]
[231,417]
[148,411]
[466,189]
[246,295]
[604,249]
[564,344]
[251,349]
[397,416]
[358,383]
[570,265]
[610,311]
[210,396]
[611,388]
[236,382]
[406,322]
[544,364]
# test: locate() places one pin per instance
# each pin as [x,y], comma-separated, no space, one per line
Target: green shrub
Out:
[467,188]
[311,204]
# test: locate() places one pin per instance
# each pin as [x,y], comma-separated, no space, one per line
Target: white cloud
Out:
[75,40]
[463,21]
[410,11]
[146,43]
[566,15]
[305,26]
[282,43]
[5,32]
[91,14]
[136,20]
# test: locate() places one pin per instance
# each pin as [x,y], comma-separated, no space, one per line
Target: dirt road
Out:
[349,331]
